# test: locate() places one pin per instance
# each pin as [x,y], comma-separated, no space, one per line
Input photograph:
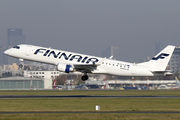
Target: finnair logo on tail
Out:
[161,56]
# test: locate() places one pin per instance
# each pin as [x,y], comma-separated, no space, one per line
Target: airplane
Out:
[72,62]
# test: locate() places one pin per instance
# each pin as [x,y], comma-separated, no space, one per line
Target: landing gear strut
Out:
[21,63]
[84,77]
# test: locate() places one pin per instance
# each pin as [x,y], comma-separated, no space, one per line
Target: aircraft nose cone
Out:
[6,52]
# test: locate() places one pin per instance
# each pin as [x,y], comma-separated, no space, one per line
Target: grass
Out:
[87,116]
[110,104]
[88,104]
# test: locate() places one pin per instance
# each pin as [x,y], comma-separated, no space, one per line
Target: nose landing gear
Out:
[21,63]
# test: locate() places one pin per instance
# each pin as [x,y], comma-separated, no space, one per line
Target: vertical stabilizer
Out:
[160,61]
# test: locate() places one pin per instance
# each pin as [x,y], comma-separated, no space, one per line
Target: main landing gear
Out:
[84,77]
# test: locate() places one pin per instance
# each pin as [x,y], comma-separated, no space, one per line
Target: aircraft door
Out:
[134,68]
[28,50]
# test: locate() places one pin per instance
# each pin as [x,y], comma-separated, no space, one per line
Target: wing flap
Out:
[85,67]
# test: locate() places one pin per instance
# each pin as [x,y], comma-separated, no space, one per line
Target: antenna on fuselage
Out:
[111,57]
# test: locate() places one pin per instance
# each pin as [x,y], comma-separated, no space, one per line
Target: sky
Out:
[91,26]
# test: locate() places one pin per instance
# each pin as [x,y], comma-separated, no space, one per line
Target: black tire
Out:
[20,65]
[84,77]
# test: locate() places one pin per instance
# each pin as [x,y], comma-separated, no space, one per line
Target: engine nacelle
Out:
[64,68]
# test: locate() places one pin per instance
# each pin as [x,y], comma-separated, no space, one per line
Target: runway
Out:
[78,96]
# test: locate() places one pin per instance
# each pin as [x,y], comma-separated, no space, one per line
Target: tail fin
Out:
[160,61]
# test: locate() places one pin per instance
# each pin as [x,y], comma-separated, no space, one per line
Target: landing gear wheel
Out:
[20,66]
[84,77]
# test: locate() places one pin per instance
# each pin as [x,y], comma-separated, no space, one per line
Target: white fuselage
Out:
[54,57]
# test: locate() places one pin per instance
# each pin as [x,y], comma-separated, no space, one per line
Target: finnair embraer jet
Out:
[71,62]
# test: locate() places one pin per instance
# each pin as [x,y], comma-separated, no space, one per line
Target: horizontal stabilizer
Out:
[165,73]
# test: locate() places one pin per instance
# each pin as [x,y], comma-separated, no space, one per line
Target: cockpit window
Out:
[16,47]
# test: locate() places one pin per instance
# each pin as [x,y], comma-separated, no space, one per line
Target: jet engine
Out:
[64,68]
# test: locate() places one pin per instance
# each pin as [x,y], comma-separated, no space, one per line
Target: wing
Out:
[85,67]
[88,68]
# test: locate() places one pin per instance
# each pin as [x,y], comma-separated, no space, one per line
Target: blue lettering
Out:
[76,57]
[46,52]
[65,56]
[70,57]
[85,58]
[52,52]
[93,60]
[39,51]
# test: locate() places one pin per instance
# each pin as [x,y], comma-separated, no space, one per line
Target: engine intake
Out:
[64,68]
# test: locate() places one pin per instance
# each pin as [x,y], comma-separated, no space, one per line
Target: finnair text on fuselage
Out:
[69,57]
